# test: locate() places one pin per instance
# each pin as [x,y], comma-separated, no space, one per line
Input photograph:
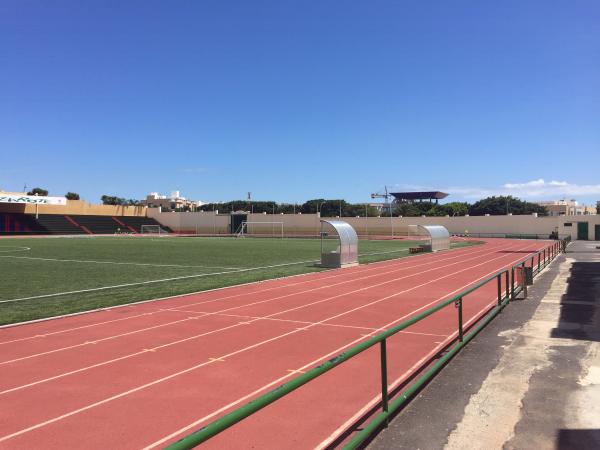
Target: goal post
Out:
[261,229]
[152,230]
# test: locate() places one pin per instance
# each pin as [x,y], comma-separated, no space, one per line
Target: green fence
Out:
[551,236]
[504,279]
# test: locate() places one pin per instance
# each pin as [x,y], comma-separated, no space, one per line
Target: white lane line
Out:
[371,266]
[400,265]
[309,365]
[81,344]
[337,274]
[270,318]
[118,263]
[76,328]
[271,300]
[395,268]
[162,280]
[136,389]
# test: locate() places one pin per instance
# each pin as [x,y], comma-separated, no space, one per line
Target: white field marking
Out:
[383,253]
[259,302]
[395,268]
[136,389]
[184,277]
[119,263]
[182,320]
[371,266]
[399,266]
[395,383]
[250,304]
[18,249]
[306,366]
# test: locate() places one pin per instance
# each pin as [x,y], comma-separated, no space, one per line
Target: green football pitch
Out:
[44,277]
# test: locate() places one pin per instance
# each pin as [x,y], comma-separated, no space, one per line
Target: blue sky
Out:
[295,100]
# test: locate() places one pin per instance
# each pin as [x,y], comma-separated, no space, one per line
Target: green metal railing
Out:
[514,236]
[388,408]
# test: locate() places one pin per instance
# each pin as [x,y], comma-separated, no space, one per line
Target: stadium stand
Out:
[58,224]
[11,223]
[98,224]
[27,224]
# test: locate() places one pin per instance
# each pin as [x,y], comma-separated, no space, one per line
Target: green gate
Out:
[597,232]
[582,231]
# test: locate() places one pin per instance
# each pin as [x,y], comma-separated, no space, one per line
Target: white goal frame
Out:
[152,229]
[277,229]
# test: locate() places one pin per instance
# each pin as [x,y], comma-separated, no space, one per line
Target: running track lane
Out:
[145,375]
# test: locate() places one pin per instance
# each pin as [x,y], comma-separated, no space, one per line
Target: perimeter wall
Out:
[308,224]
[75,207]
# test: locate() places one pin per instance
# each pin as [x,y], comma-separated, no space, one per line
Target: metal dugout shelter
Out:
[439,237]
[339,244]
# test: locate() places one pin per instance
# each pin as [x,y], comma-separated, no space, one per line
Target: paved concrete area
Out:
[530,380]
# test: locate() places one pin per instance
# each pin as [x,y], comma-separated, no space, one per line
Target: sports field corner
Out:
[308,352]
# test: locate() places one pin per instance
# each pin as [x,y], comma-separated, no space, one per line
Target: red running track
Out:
[145,375]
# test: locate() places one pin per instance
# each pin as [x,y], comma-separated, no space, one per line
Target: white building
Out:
[567,208]
[172,202]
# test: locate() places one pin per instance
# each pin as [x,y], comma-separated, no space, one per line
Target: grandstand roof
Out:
[429,195]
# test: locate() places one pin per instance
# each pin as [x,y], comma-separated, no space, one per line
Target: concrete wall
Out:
[192,222]
[208,223]
[75,207]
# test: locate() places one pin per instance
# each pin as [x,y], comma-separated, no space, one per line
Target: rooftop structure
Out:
[420,196]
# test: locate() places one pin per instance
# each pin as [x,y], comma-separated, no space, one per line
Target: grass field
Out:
[44,277]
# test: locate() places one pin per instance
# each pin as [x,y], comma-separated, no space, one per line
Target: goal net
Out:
[261,229]
[153,230]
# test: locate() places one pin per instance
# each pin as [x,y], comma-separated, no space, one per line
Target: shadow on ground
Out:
[580,305]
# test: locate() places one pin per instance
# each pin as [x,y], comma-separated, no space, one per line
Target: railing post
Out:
[458,305]
[384,380]
[524,287]
[539,255]
[512,283]
[507,287]
[499,277]
[544,256]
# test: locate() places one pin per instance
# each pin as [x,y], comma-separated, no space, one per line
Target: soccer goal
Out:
[153,230]
[261,229]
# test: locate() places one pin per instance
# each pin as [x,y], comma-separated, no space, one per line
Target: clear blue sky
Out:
[295,100]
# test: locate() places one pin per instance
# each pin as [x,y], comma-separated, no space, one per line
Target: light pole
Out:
[320,207]
[367,219]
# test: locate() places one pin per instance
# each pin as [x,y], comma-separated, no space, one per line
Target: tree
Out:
[501,205]
[38,191]
[112,200]
[456,208]
[72,196]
